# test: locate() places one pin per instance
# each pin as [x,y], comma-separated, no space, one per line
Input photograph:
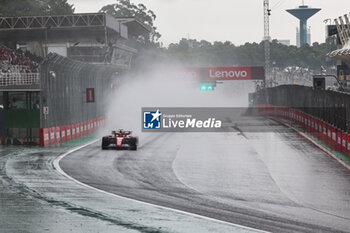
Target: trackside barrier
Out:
[58,135]
[324,132]
[73,131]
[63,134]
[44,137]
[314,127]
[348,145]
[85,128]
[68,131]
[320,130]
[329,135]
[339,140]
[91,126]
[82,130]
[335,138]
[77,130]
[344,143]
[52,135]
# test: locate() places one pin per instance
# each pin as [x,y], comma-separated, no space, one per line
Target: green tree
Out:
[56,7]
[34,7]
[124,8]
[204,53]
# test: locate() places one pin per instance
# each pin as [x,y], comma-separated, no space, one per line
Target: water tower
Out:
[303,13]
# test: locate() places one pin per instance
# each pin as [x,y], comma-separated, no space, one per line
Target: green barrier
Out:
[21,118]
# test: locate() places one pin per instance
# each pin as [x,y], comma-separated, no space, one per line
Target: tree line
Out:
[204,53]
[189,51]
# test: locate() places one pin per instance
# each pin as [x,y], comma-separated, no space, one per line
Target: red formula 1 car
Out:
[120,140]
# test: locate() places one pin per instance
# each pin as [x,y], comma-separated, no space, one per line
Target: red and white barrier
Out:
[82,130]
[339,140]
[335,138]
[73,131]
[86,132]
[344,142]
[320,130]
[44,137]
[325,131]
[58,135]
[63,134]
[348,144]
[77,130]
[69,133]
[52,136]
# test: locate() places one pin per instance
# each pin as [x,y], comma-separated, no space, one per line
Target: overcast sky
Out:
[229,20]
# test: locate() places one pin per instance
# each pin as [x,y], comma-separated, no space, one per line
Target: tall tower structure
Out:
[303,13]
[267,13]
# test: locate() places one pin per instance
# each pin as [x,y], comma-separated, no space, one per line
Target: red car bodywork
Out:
[120,140]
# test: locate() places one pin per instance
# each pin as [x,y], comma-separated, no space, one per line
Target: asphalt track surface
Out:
[274,181]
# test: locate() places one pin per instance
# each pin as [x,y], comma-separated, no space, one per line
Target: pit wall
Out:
[61,134]
[330,135]
[330,106]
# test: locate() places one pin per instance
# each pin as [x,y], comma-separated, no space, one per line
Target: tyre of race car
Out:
[105,143]
[133,144]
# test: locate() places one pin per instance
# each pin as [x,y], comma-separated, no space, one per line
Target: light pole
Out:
[46,35]
[267,13]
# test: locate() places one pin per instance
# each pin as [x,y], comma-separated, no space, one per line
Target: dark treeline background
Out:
[250,54]
[188,51]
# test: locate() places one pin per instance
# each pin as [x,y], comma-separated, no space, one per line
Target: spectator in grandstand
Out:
[17,57]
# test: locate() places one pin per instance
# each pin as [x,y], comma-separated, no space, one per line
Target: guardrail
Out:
[19,79]
[331,106]
[330,135]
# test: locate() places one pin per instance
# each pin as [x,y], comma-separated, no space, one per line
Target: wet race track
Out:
[274,181]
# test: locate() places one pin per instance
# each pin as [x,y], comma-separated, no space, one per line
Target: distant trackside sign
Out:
[235,73]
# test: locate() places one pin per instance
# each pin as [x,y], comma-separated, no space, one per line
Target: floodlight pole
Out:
[46,47]
[267,40]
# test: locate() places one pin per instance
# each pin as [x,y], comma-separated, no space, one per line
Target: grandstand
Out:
[48,63]
[342,53]
[93,37]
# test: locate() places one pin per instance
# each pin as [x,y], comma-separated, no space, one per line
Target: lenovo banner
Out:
[235,73]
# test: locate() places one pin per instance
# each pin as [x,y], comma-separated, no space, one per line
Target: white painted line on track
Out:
[56,165]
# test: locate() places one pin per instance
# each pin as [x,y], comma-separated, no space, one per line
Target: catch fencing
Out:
[328,134]
[19,79]
[74,96]
[329,106]
[65,84]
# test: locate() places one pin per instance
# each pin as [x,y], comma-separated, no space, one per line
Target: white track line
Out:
[56,165]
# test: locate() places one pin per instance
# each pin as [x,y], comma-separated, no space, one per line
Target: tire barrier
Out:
[61,134]
[330,135]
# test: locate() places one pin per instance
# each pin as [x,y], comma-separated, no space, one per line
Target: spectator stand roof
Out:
[135,26]
[341,54]
[69,28]
[342,25]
